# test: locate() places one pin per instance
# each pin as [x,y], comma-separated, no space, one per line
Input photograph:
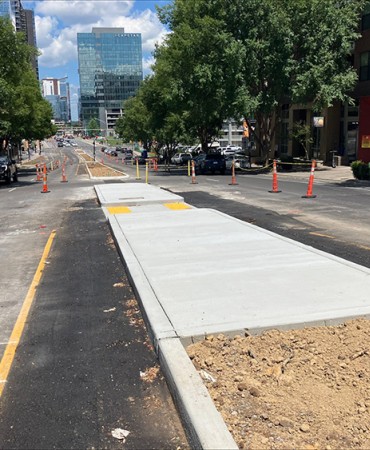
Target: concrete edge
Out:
[204,425]
[158,323]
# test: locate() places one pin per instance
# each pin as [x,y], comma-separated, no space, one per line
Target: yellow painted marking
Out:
[364,247]
[322,235]
[8,357]
[176,206]
[118,210]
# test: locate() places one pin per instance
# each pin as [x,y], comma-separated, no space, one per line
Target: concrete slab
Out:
[212,273]
[130,194]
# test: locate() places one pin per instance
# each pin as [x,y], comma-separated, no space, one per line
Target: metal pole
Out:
[94,148]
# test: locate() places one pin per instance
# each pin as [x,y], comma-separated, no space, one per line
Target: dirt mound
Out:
[298,389]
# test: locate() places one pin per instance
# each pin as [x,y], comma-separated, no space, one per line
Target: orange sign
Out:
[246,129]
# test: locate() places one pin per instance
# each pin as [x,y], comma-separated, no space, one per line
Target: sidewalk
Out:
[323,173]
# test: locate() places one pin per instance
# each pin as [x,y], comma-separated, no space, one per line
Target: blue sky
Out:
[58,22]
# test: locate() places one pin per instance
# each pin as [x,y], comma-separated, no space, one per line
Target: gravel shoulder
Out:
[306,389]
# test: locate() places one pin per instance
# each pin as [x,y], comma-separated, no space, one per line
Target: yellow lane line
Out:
[8,357]
[364,247]
[322,235]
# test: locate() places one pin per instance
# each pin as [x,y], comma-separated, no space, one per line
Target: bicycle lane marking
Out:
[11,348]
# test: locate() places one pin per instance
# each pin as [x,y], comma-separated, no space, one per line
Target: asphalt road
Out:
[84,365]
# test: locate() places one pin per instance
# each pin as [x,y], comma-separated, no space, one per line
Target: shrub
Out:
[361,170]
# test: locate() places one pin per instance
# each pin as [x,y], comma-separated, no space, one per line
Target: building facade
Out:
[110,71]
[362,91]
[56,91]
[24,22]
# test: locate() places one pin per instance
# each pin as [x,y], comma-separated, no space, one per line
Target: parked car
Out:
[198,160]
[240,161]
[212,162]
[181,158]
[8,169]
[230,150]
[60,144]
[127,154]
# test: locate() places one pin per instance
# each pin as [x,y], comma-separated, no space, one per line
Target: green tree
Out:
[296,51]
[134,124]
[23,111]
[93,127]
[246,57]
[199,63]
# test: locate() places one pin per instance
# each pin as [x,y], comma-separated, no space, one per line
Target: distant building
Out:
[24,22]
[56,92]
[110,71]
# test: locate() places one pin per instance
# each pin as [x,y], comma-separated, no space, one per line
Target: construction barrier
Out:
[233,177]
[309,193]
[275,188]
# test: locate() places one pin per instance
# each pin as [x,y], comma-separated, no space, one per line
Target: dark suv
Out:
[8,169]
[213,162]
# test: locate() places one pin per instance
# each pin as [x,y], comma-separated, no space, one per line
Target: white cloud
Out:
[76,12]
[147,65]
[58,22]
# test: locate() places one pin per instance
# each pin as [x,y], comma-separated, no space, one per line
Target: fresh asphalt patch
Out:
[85,372]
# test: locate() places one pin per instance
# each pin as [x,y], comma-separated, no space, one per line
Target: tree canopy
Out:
[23,111]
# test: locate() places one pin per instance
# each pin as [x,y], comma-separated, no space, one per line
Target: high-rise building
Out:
[23,21]
[56,91]
[110,71]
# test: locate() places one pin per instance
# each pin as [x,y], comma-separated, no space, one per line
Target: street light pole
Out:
[94,148]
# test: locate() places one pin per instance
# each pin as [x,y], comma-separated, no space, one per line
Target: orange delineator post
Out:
[310,182]
[275,188]
[64,178]
[193,180]
[233,177]
[45,189]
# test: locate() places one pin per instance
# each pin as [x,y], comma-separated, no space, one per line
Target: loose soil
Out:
[100,170]
[297,389]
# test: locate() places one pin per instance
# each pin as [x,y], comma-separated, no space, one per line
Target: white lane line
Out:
[212,179]
[11,190]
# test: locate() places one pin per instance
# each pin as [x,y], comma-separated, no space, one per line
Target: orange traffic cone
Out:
[310,182]
[45,189]
[275,188]
[64,178]
[233,177]
[193,180]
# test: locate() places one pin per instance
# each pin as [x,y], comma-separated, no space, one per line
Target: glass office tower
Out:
[110,71]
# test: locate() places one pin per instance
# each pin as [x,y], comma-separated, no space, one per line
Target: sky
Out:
[58,22]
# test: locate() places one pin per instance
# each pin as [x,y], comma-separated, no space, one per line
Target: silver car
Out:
[240,161]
